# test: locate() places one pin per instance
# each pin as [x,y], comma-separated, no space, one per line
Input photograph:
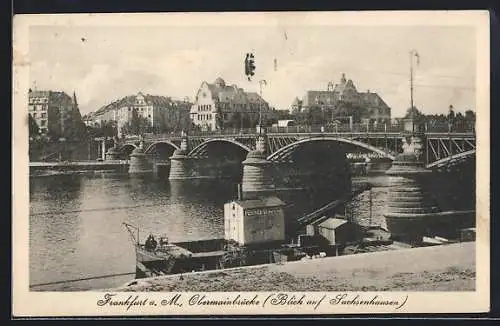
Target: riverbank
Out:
[440,268]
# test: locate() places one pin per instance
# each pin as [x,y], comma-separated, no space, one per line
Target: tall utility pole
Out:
[261,82]
[413,53]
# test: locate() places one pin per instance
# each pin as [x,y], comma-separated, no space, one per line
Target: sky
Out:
[104,63]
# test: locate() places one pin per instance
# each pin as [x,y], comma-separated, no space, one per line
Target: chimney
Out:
[240,191]
[368,91]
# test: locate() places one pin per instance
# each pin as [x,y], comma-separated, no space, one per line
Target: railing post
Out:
[426,149]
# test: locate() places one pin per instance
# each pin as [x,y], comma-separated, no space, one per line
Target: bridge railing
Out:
[336,128]
[339,128]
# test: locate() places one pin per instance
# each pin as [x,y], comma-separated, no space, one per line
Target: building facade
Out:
[219,106]
[161,113]
[56,113]
[343,99]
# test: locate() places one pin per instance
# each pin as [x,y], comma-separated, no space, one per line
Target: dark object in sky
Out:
[249,66]
[84,39]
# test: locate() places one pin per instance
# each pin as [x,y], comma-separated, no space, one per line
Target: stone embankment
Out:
[440,268]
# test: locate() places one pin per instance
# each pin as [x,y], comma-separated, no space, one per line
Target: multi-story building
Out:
[218,106]
[56,113]
[343,99]
[161,113]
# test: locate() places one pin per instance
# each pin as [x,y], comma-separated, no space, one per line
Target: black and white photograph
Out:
[277,153]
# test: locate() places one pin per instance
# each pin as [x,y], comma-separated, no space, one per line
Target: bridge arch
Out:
[286,150]
[451,159]
[166,142]
[127,149]
[201,147]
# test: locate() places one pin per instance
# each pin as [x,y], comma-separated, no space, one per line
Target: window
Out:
[44,115]
[43,130]
[34,115]
[42,122]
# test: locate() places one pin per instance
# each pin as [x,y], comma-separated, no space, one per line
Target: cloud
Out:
[115,62]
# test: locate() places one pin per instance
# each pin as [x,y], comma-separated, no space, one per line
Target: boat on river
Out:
[161,257]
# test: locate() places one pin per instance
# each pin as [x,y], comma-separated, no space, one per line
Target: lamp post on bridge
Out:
[261,83]
[409,203]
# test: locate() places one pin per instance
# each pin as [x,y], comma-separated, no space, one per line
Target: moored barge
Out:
[160,257]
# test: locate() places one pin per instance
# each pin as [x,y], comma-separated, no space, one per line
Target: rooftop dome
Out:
[342,79]
[219,82]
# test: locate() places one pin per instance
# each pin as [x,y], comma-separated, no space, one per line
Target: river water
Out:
[76,228]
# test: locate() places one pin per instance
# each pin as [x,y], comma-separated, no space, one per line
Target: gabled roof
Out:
[130,100]
[224,93]
[372,99]
[296,101]
[332,223]
[38,94]
[261,202]
[254,97]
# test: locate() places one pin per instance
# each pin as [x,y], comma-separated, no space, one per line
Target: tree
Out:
[137,125]
[78,131]
[219,119]
[459,122]
[34,130]
[470,115]
[105,129]
[246,122]
[470,120]
[235,121]
[451,118]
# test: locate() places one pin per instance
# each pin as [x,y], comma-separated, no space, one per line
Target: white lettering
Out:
[260,211]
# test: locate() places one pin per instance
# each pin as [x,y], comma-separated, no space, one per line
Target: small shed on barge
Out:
[255,221]
[335,231]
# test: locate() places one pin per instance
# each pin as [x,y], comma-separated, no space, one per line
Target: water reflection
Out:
[76,221]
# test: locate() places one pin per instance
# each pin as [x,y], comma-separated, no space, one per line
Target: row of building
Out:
[216,106]
[55,113]
[159,112]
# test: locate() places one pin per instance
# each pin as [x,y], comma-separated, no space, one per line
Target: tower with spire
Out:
[75,103]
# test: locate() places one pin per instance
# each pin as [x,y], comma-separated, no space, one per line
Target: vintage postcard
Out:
[250,163]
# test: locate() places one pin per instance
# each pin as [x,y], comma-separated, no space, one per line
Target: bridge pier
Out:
[113,153]
[180,166]
[180,162]
[257,176]
[139,162]
[410,208]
